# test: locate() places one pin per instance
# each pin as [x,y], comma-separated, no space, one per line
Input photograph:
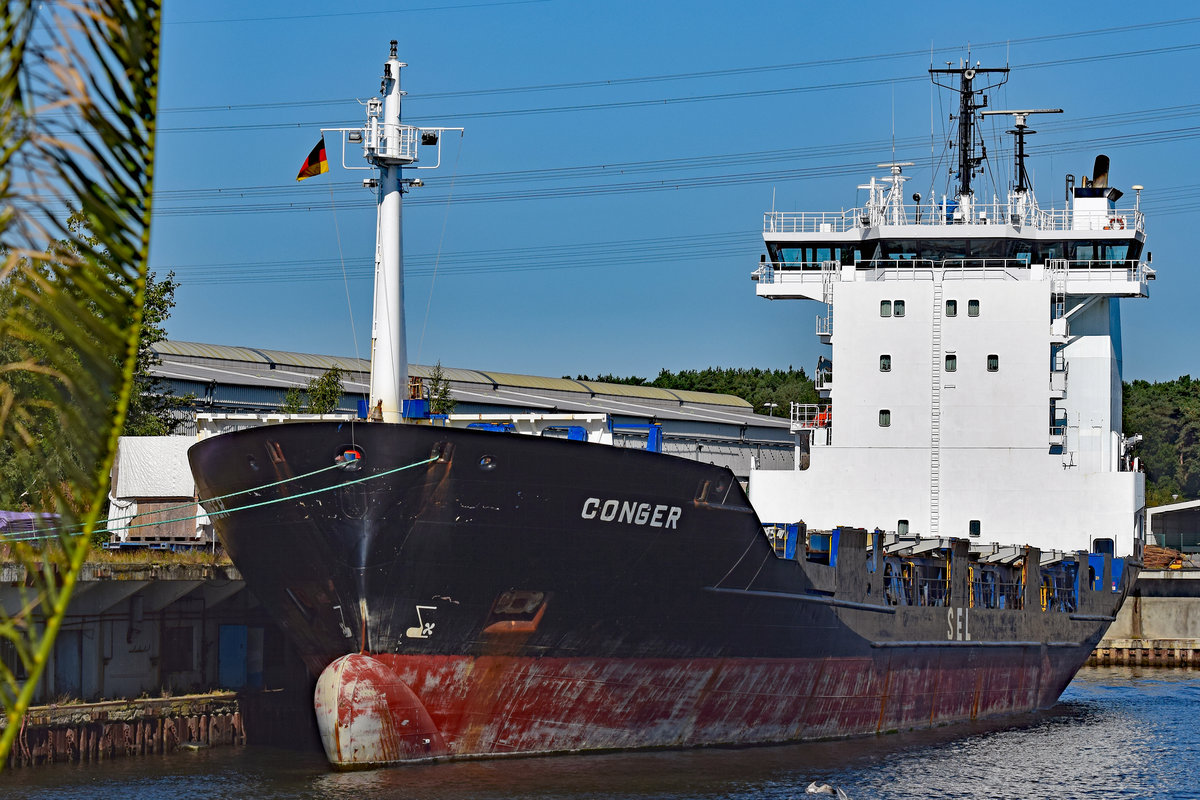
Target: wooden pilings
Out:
[96,732]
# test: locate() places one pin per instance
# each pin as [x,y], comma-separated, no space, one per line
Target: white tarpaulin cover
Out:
[153,466]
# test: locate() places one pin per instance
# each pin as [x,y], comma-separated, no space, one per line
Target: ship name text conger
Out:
[632,512]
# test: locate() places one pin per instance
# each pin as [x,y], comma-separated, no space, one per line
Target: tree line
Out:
[770,391]
[1167,415]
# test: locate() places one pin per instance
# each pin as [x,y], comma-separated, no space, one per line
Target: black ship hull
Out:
[531,595]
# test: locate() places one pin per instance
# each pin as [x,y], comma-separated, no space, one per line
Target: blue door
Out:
[231,657]
[68,666]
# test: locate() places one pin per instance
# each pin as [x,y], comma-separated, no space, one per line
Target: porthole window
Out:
[885,417]
[973,527]
[902,527]
[951,308]
[885,308]
[898,308]
[951,363]
[972,308]
[885,363]
[993,363]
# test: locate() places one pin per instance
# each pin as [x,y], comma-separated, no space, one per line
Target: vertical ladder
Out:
[935,410]
[828,274]
[1058,288]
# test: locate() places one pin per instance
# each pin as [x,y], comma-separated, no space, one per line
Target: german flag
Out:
[315,164]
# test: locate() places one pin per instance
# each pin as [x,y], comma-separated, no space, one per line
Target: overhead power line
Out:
[699,75]
[681,99]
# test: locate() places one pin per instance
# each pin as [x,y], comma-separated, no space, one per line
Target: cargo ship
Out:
[951,545]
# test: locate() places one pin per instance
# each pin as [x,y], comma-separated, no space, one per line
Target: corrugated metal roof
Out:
[491,380]
[288,359]
[710,399]
[626,390]
[197,350]
[534,382]
[450,373]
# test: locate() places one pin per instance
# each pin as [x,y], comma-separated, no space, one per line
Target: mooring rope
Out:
[49,533]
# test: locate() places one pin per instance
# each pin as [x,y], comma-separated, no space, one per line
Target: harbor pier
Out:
[1158,625]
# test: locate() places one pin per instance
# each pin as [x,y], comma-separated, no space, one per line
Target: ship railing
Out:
[999,268]
[811,415]
[932,592]
[825,324]
[997,213]
[1128,269]
[922,269]
[899,269]
[997,594]
[398,142]
[811,221]
[789,272]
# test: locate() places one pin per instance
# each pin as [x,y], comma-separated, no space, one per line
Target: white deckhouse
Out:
[975,379]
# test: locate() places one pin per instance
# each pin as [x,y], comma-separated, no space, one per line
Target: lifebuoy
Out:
[1116,224]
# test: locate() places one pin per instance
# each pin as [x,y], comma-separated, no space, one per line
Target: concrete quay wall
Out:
[151,630]
[1158,625]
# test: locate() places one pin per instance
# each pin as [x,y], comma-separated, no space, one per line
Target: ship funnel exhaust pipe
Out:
[1100,172]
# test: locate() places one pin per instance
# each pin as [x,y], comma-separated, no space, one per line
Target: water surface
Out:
[1118,732]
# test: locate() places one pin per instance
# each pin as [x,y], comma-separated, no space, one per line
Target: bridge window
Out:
[885,417]
[951,308]
[885,363]
[885,308]
[972,308]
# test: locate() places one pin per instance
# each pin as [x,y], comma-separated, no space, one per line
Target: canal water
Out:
[1118,732]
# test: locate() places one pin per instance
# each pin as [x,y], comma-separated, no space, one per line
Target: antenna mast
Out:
[1021,130]
[968,162]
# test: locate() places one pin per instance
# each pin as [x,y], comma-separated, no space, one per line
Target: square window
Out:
[885,363]
[898,308]
[973,527]
[972,308]
[885,417]
[951,308]
[951,363]
[993,363]
[885,308]
[902,527]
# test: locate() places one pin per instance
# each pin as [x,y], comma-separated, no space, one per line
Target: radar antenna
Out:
[1021,130]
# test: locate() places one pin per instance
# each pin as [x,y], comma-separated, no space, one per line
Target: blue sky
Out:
[602,213]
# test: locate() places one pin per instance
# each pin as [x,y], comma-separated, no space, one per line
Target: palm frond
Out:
[79,87]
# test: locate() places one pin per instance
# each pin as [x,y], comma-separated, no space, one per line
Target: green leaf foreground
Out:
[77,130]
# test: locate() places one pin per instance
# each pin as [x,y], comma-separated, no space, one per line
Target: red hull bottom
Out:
[502,705]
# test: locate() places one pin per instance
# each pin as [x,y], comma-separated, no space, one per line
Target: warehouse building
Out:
[713,428]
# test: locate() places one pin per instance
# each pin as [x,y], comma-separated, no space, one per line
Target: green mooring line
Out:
[53,533]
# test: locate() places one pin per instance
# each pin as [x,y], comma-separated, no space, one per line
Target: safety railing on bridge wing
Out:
[790,271]
[811,415]
[947,214]
[1126,269]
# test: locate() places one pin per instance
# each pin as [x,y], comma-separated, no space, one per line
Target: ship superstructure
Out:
[975,375]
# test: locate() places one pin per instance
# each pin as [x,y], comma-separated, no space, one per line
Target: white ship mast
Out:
[389,146]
